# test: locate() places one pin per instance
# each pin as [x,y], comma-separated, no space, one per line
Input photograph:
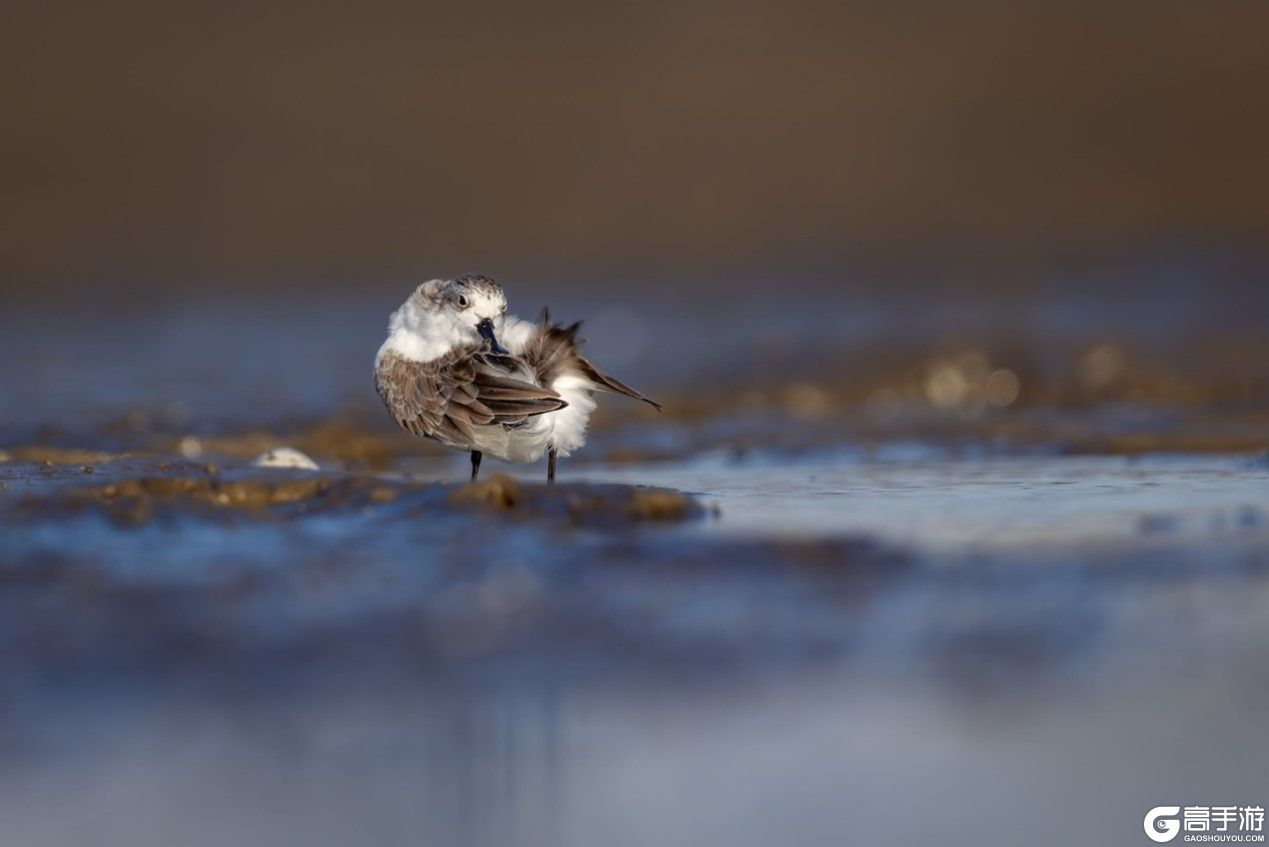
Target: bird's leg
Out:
[475,464]
[550,465]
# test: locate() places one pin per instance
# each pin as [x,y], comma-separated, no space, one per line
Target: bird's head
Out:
[464,310]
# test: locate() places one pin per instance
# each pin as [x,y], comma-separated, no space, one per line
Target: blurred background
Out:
[990,146]
[960,317]
[716,186]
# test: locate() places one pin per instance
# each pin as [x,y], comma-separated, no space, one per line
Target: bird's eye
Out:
[462,302]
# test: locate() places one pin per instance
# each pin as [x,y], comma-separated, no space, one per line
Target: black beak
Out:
[485,328]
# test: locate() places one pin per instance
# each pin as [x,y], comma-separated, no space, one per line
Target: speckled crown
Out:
[481,283]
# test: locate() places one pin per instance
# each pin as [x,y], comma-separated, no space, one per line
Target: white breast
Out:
[570,422]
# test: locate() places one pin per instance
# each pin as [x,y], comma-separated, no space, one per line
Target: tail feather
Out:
[557,346]
[603,380]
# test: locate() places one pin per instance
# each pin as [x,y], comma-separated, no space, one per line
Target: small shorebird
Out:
[458,369]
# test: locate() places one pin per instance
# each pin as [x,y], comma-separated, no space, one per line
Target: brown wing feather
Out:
[447,398]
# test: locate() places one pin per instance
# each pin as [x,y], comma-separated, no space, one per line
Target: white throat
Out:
[419,335]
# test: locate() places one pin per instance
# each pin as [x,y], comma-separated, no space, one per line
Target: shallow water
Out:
[1009,639]
[925,500]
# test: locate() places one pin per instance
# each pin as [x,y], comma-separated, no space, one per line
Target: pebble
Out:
[285,457]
